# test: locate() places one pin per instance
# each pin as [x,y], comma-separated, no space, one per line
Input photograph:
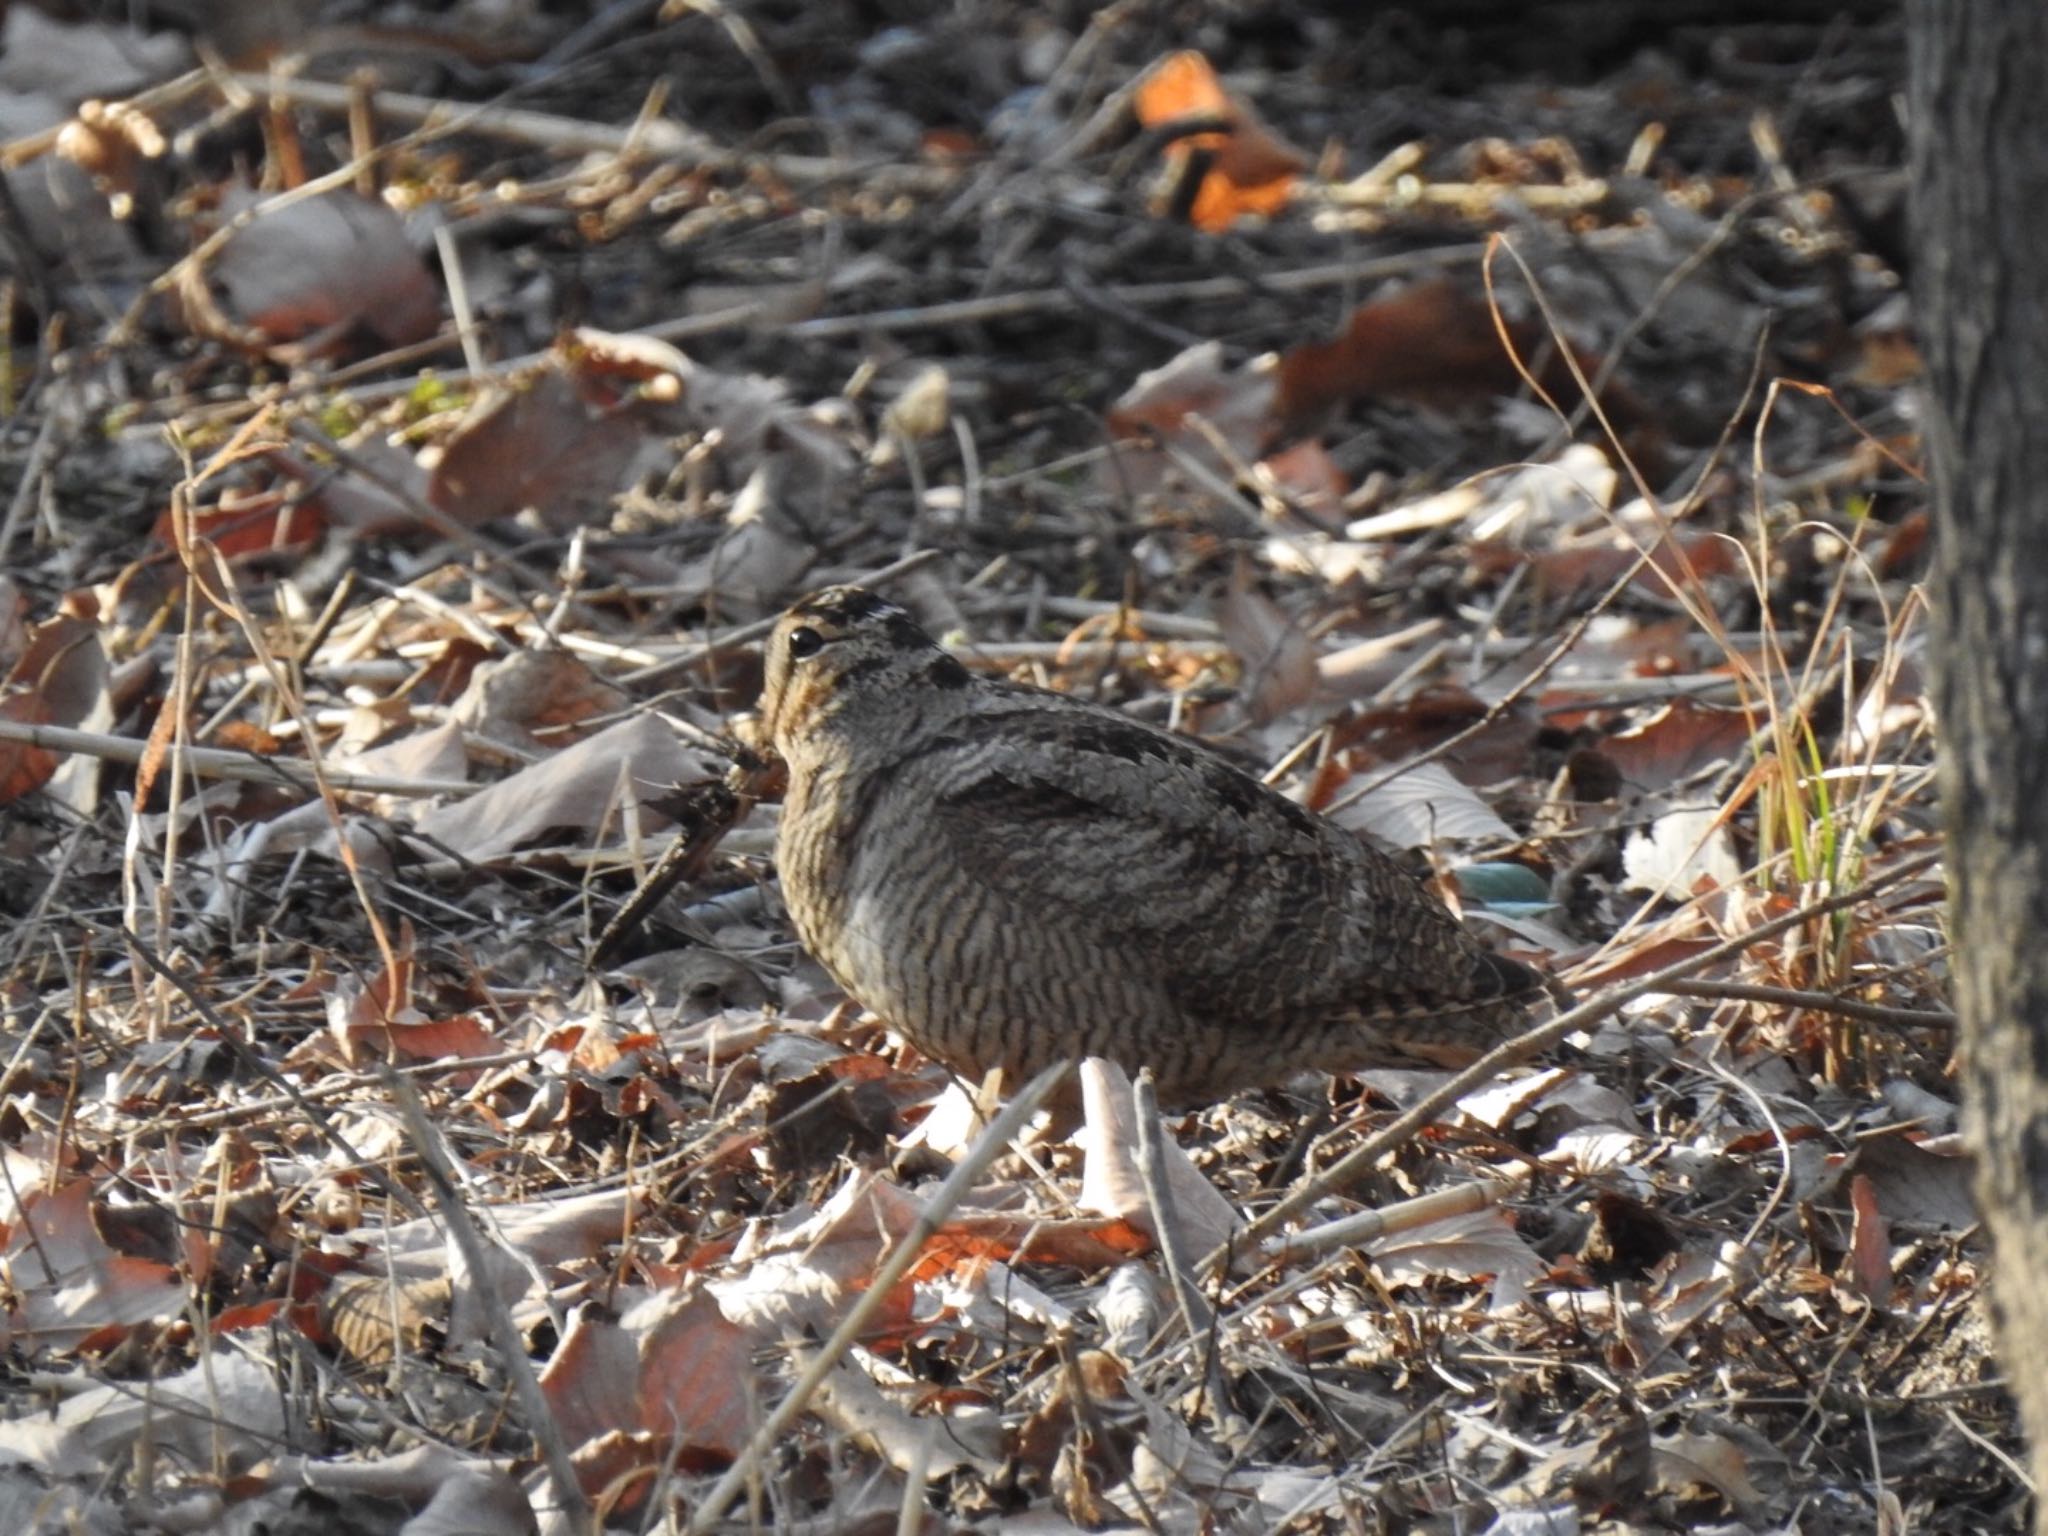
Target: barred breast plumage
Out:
[1011,877]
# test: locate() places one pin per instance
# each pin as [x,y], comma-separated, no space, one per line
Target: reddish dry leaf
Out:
[69,1284]
[1885,358]
[1869,1260]
[617,1470]
[601,361]
[1424,721]
[246,736]
[1090,1245]
[1435,341]
[458,1038]
[1681,739]
[540,444]
[589,1381]
[247,523]
[1918,1185]
[65,667]
[320,265]
[1245,168]
[59,679]
[24,768]
[963,1249]
[949,146]
[600,412]
[256,1316]
[389,993]
[1766,1141]
[1905,552]
[1644,960]
[695,1373]
[446,678]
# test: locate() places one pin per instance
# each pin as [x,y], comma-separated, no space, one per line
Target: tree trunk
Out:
[1979,123]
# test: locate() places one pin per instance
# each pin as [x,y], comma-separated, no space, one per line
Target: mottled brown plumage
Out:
[1012,877]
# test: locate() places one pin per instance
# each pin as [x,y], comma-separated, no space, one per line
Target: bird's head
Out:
[845,651]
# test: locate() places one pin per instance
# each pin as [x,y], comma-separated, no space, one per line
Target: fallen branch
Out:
[657,138]
[219,763]
[1818,1002]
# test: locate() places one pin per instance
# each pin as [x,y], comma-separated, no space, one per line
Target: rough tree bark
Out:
[1979,124]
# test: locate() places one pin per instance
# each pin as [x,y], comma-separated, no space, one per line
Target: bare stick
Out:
[1367,1226]
[40,454]
[218,763]
[658,138]
[949,1194]
[1818,1002]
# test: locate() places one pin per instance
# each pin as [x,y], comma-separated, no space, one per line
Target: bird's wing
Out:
[1231,895]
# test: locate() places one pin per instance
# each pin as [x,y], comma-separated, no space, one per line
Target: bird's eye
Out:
[805,642]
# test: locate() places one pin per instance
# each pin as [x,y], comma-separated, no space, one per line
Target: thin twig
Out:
[18,152]
[219,763]
[1369,1226]
[40,455]
[1818,1002]
[658,139]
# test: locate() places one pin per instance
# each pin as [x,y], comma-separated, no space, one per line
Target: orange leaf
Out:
[1870,1246]
[249,524]
[1245,167]
[246,736]
[24,768]
[60,676]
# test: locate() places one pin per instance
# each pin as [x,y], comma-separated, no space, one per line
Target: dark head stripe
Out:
[847,605]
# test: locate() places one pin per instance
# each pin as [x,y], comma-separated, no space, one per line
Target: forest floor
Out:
[1503,435]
